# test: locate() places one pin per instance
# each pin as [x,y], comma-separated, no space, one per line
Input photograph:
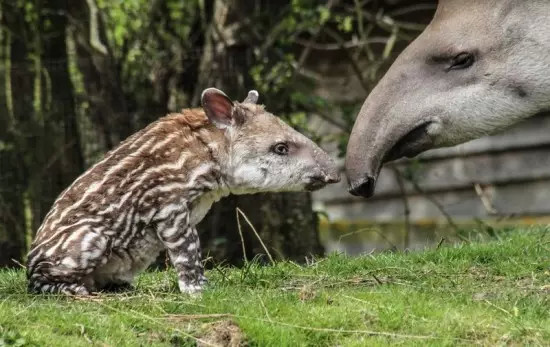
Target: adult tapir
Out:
[478,67]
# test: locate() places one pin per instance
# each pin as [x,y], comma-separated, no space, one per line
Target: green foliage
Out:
[146,38]
[492,292]
[11,338]
[6,146]
[125,18]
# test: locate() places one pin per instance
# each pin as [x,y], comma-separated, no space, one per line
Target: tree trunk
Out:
[56,155]
[101,78]
[62,108]
[15,114]
[12,217]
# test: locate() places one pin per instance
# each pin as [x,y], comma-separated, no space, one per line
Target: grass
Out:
[488,292]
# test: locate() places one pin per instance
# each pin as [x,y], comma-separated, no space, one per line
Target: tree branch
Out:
[339,46]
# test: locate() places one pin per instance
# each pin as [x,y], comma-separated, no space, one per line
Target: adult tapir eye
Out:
[462,61]
[280,148]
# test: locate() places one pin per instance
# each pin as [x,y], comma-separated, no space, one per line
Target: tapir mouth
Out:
[411,144]
[318,182]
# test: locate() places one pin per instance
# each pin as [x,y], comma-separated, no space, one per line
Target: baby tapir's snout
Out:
[324,171]
[329,172]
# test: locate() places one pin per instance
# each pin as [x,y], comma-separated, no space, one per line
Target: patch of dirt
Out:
[225,333]
[306,293]
[478,272]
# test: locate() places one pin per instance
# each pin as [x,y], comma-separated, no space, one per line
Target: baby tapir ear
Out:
[252,97]
[218,107]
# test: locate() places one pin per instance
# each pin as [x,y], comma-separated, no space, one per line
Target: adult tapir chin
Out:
[478,67]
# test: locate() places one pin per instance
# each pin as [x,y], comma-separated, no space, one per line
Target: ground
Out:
[491,291]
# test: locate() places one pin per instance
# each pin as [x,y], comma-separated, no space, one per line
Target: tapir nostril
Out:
[364,188]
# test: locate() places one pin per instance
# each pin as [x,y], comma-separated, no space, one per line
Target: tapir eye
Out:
[462,61]
[280,148]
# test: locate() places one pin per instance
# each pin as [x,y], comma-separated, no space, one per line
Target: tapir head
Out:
[479,66]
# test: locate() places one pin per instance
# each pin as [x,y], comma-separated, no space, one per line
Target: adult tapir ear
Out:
[218,107]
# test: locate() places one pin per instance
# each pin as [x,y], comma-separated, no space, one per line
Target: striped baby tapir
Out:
[149,193]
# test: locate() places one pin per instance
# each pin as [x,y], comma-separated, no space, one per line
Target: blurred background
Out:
[78,76]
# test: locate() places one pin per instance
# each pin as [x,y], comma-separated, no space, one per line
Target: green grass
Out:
[489,292]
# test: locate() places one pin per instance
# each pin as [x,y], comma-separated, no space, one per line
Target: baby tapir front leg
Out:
[183,245]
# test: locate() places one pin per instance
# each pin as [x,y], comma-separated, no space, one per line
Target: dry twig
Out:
[239,211]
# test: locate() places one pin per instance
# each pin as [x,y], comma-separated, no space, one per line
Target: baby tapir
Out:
[149,193]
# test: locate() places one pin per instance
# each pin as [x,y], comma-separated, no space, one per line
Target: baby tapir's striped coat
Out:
[148,194]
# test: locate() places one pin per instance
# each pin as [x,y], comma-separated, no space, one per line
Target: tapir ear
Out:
[218,107]
[252,97]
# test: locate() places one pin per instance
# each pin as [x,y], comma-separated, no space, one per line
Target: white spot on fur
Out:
[189,288]
[86,242]
[181,259]
[175,244]
[176,226]
[69,262]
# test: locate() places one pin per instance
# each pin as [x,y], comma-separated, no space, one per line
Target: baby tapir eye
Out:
[280,148]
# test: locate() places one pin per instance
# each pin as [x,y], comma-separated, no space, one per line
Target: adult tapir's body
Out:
[480,66]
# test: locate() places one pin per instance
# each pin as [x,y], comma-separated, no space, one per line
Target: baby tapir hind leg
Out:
[65,268]
[44,283]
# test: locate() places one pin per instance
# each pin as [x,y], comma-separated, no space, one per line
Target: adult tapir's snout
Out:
[384,132]
[364,154]
[398,119]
